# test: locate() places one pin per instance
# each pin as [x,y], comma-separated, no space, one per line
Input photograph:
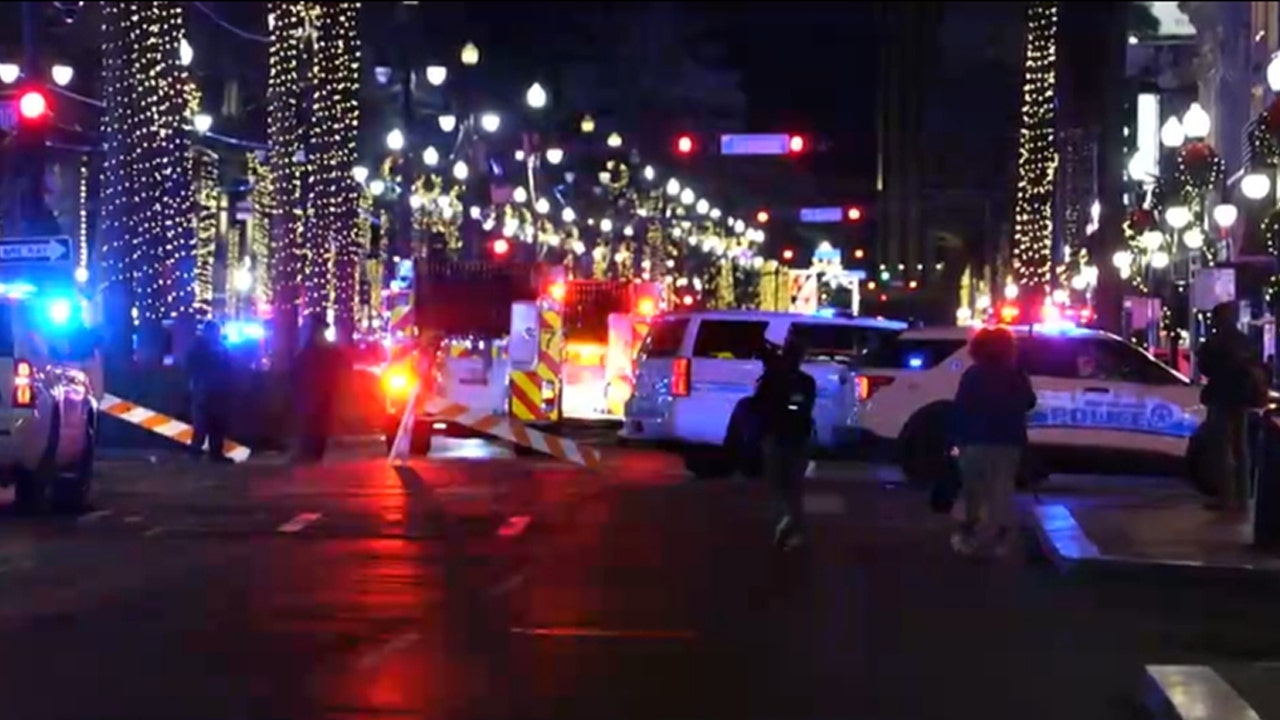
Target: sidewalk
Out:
[1167,531]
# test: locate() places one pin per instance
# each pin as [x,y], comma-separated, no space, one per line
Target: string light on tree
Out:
[261,197]
[1037,153]
[288,23]
[207,191]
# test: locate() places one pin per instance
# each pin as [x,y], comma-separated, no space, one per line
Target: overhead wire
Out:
[228,26]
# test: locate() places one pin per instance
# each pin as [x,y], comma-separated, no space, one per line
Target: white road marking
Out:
[95,515]
[507,585]
[824,504]
[1197,692]
[394,645]
[299,521]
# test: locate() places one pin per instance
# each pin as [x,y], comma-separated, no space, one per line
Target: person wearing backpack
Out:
[1237,382]
[784,400]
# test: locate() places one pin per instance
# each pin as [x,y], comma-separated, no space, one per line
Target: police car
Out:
[1094,392]
[48,410]
[694,367]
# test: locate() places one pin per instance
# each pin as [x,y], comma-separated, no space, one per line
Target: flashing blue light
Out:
[915,362]
[17,290]
[1057,327]
[60,311]
[825,312]
[241,331]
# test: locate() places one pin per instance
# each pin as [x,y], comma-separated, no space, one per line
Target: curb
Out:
[1191,692]
[1070,549]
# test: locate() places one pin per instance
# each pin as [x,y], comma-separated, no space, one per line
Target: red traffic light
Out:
[853,214]
[684,144]
[762,217]
[796,144]
[501,247]
[33,105]
[788,255]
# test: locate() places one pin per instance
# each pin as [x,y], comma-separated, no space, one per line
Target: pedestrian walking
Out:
[785,397]
[318,372]
[209,378]
[1237,382]
[989,434]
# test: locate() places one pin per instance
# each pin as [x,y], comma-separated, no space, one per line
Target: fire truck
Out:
[594,367]
[490,336]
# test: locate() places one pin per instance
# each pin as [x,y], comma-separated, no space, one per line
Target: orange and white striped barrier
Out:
[163,425]
[504,428]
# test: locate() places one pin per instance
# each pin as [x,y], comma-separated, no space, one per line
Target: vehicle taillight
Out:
[646,307]
[867,385]
[397,381]
[23,393]
[680,377]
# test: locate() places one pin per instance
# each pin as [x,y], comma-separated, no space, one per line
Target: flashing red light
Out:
[686,300]
[796,144]
[762,217]
[684,144]
[557,292]
[853,214]
[647,306]
[788,255]
[1051,314]
[33,105]
[1009,313]
[501,247]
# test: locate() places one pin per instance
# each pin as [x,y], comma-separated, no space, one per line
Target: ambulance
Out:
[490,336]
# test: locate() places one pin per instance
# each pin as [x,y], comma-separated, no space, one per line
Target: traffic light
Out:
[33,106]
[853,214]
[685,145]
[762,217]
[501,247]
[788,255]
[796,144]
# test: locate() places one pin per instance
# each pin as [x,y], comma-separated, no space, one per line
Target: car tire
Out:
[1197,478]
[708,463]
[31,489]
[923,451]
[71,492]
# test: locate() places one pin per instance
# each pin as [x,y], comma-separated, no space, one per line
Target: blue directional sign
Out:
[35,250]
[767,144]
[822,215]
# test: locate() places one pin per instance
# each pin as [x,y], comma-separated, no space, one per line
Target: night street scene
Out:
[653,360]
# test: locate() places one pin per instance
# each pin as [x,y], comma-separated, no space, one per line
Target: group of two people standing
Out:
[988,432]
[315,380]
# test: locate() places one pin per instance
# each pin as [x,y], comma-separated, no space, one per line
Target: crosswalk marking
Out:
[824,504]
[299,522]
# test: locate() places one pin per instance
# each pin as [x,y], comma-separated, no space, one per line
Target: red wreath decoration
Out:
[1199,167]
[1142,220]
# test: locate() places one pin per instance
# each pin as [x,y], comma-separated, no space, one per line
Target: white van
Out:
[694,367]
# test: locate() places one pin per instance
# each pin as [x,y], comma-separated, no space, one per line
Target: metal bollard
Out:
[1266,479]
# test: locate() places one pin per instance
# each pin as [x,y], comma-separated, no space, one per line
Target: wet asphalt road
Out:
[471,586]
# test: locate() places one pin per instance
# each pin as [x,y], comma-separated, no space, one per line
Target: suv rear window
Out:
[912,354]
[664,339]
[730,339]
[837,341]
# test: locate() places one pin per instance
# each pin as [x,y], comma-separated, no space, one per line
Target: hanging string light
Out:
[1037,154]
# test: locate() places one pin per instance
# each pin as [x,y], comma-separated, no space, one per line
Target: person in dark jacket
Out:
[1237,382]
[990,433]
[209,376]
[785,398]
[318,374]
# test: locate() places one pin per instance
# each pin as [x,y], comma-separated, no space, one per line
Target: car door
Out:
[725,363]
[1100,392]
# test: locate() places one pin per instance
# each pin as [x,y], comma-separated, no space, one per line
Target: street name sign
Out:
[748,144]
[822,215]
[36,250]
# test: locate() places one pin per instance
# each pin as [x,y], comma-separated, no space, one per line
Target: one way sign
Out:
[35,250]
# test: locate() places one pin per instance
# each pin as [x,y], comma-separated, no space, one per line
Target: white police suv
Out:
[694,367]
[1096,394]
[48,409]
